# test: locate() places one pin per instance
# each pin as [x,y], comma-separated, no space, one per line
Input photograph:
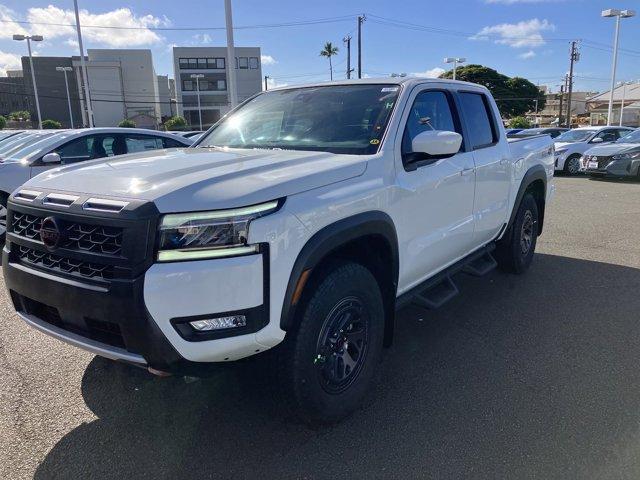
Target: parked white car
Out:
[571,145]
[302,220]
[34,153]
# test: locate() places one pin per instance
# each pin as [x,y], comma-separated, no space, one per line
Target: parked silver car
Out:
[41,151]
[618,159]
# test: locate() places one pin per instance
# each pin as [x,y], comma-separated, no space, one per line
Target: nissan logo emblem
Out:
[50,233]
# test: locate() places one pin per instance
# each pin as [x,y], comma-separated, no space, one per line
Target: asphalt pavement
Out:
[532,376]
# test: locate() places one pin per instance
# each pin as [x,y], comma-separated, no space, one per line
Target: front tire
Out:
[572,165]
[3,218]
[327,364]
[514,252]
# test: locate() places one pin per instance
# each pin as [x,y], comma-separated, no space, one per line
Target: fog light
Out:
[219,323]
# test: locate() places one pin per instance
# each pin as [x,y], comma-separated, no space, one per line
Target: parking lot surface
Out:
[533,376]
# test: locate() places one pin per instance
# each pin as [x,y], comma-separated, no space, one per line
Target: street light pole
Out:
[612,12]
[35,38]
[83,67]
[455,61]
[66,84]
[198,76]
[231,56]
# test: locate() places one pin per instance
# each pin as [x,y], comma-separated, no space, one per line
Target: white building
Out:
[123,85]
[598,106]
[212,63]
[167,100]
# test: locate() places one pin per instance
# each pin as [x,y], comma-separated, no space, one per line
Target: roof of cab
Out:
[408,80]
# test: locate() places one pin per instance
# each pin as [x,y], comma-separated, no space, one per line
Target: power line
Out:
[318,21]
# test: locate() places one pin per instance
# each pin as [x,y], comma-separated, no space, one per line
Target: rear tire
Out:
[514,252]
[572,165]
[327,364]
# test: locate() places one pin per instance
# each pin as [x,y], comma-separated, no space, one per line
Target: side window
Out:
[431,110]
[142,143]
[76,150]
[171,143]
[607,136]
[479,118]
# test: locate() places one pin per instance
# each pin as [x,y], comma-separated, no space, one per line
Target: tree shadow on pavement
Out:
[532,376]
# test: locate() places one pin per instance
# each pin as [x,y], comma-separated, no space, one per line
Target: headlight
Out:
[627,156]
[214,234]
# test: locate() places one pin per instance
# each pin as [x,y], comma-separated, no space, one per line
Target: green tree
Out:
[329,51]
[175,123]
[514,96]
[519,122]
[126,123]
[51,124]
[20,115]
[3,122]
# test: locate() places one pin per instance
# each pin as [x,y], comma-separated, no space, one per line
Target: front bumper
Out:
[608,167]
[134,311]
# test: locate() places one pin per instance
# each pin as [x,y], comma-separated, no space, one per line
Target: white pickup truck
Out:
[302,221]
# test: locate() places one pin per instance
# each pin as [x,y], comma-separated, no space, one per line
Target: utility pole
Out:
[231,57]
[83,67]
[574,56]
[560,106]
[347,41]
[266,85]
[361,19]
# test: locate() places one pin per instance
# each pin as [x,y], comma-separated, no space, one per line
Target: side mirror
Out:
[597,140]
[437,143]
[51,158]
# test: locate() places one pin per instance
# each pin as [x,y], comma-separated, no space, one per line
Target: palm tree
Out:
[329,51]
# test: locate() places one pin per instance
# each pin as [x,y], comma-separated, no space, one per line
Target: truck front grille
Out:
[76,236]
[51,261]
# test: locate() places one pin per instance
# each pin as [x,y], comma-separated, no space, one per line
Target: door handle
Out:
[467,171]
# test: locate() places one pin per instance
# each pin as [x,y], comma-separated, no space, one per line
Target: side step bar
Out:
[439,289]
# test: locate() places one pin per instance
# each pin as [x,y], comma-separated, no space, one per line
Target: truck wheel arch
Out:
[334,242]
[535,181]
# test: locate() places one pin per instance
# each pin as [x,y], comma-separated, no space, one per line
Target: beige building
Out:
[629,95]
[550,114]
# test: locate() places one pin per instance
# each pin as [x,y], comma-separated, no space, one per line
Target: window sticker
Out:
[389,89]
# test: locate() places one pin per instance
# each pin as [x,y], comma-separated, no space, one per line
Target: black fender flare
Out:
[331,238]
[537,172]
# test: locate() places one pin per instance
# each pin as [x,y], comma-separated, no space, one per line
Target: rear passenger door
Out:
[493,164]
[435,202]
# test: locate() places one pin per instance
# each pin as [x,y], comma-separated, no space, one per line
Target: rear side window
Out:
[479,120]
[171,143]
[142,143]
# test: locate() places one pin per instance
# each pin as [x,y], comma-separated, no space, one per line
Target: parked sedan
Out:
[42,152]
[553,132]
[618,159]
[571,145]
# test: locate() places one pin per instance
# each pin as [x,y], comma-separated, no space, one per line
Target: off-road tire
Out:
[514,252]
[302,370]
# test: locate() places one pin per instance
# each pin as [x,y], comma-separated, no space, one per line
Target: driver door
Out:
[435,205]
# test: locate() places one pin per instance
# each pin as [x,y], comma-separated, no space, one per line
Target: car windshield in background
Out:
[347,119]
[530,132]
[31,146]
[633,137]
[575,136]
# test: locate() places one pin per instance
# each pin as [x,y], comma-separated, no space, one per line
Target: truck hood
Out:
[612,149]
[203,178]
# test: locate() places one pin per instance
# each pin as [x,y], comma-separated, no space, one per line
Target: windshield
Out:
[575,136]
[347,119]
[631,137]
[30,145]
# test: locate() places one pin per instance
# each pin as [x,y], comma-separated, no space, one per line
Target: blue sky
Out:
[528,38]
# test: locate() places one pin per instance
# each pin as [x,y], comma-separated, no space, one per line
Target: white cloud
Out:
[527,55]
[9,61]
[8,26]
[433,73]
[267,60]
[525,34]
[202,38]
[139,35]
